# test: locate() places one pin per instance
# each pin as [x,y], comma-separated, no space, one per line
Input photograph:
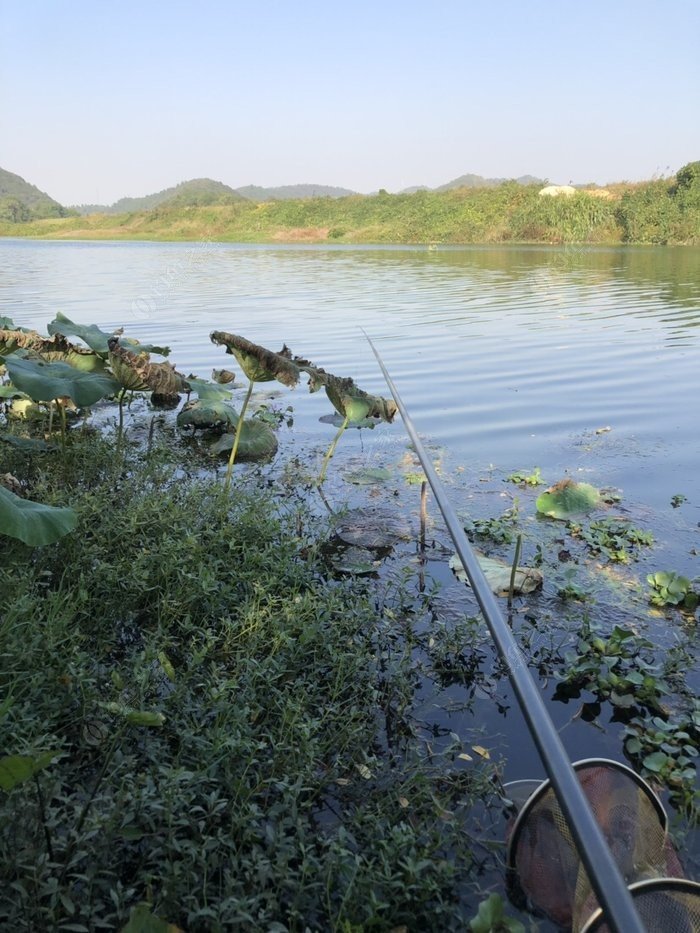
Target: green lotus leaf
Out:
[97,339]
[91,334]
[44,382]
[258,363]
[32,522]
[208,390]
[498,574]
[258,441]
[350,401]
[84,360]
[567,499]
[6,323]
[207,414]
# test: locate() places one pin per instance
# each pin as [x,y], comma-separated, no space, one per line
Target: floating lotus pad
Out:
[207,414]
[257,441]
[568,499]
[368,476]
[377,529]
[354,560]
[498,574]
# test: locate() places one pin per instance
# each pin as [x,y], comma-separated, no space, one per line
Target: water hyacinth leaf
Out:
[208,390]
[368,476]
[44,382]
[207,414]
[258,363]
[257,441]
[567,499]
[15,769]
[32,522]
[498,575]
[136,373]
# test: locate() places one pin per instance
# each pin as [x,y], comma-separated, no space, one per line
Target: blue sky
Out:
[100,100]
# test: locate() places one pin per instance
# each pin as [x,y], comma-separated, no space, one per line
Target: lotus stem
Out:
[62,410]
[331,450]
[237,437]
[514,569]
[423,512]
[120,429]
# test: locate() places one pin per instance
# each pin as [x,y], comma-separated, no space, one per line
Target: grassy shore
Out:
[227,721]
[656,212]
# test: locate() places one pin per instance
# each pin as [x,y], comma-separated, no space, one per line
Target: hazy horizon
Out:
[102,102]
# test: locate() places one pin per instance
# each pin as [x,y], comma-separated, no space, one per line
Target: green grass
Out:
[272,793]
[664,211]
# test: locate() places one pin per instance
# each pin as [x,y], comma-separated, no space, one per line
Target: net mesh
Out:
[665,906]
[545,866]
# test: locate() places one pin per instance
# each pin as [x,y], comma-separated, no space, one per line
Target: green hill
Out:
[292,192]
[196,192]
[478,181]
[20,201]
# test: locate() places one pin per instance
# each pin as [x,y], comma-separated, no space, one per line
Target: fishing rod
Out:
[602,869]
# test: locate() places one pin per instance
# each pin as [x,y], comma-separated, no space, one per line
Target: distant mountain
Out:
[478,181]
[20,201]
[196,192]
[291,192]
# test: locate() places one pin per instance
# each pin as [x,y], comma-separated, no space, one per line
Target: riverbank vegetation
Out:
[664,211]
[234,706]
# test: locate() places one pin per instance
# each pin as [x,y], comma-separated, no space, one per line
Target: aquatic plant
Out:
[567,498]
[669,588]
[523,478]
[614,537]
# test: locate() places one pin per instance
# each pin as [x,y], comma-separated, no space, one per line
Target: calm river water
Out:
[508,358]
[505,356]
